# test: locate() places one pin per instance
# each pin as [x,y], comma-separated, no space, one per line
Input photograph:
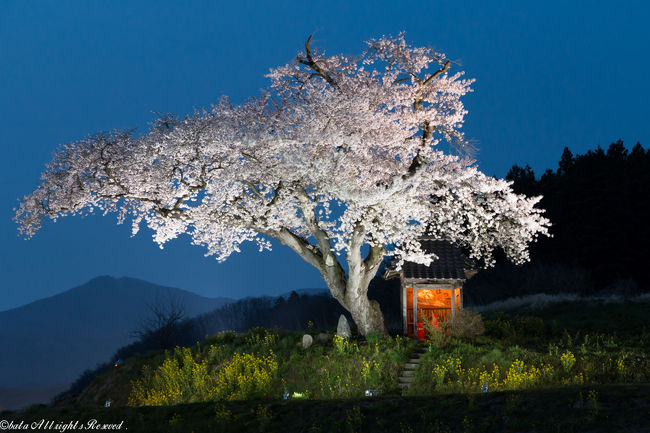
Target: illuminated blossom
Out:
[339,153]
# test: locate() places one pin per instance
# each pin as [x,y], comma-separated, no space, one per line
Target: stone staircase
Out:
[408,373]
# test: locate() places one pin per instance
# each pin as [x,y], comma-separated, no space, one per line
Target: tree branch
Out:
[298,244]
[427,129]
[312,223]
[254,190]
[276,193]
[372,263]
[355,263]
[309,61]
[331,269]
[440,71]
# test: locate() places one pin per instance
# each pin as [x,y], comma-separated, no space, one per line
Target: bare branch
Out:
[440,71]
[309,60]
[298,244]
[163,323]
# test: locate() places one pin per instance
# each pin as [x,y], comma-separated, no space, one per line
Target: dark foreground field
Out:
[605,408]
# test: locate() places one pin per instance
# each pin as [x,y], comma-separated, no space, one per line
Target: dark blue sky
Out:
[549,74]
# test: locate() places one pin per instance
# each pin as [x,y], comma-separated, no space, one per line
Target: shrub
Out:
[567,360]
[374,337]
[529,325]
[520,376]
[223,337]
[500,327]
[437,333]
[181,379]
[217,354]
[260,338]
[494,356]
[245,376]
[178,380]
[344,345]
[467,323]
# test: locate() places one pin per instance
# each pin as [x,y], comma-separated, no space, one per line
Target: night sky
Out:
[549,75]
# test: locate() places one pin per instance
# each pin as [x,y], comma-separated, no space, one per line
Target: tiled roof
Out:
[451,264]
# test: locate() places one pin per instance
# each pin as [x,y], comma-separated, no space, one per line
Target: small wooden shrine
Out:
[434,289]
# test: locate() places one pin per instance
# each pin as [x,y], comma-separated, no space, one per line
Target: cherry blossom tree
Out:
[341,160]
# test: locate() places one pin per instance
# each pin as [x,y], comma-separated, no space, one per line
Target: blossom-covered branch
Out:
[340,153]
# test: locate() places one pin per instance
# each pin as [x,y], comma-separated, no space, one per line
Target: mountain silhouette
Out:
[48,343]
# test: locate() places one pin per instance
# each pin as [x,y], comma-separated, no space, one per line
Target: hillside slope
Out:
[48,343]
[586,362]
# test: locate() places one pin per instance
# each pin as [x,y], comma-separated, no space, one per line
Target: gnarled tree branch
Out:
[309,60]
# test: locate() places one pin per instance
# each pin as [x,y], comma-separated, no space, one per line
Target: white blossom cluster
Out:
[340,152]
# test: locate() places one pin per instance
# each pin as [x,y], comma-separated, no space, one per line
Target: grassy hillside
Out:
[274,361]
[571,367]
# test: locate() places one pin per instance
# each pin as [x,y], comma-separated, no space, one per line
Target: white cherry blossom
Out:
[339,153]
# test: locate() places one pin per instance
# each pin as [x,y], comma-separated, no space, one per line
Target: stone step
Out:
[408,374]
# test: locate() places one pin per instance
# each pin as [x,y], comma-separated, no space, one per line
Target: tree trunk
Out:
[366,315]
[350,291]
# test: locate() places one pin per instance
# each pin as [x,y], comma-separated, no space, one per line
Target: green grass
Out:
[585,366]
[562,346]
[327,370]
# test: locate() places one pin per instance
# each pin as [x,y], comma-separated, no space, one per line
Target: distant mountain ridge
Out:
[50,342]
[309,292]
